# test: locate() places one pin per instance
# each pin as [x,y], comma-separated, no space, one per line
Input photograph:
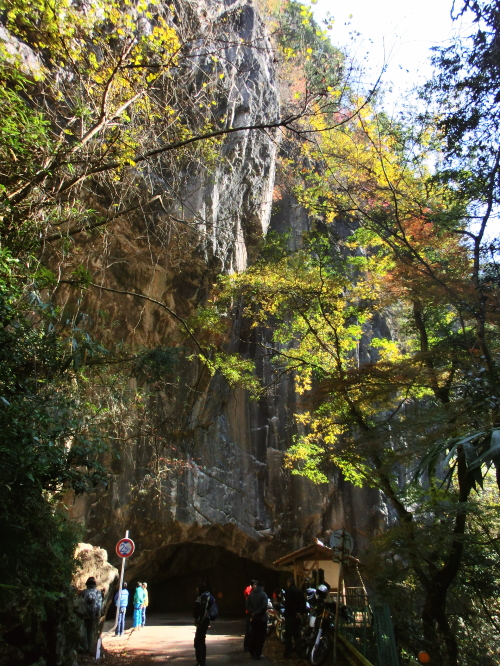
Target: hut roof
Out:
[313,552]
[316,551]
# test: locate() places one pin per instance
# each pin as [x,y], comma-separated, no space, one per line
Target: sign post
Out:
[342,544]
[124,548]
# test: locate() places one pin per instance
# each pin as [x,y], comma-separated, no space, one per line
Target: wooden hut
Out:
[309,559]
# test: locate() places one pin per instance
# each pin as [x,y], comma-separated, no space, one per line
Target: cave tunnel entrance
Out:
[175,571]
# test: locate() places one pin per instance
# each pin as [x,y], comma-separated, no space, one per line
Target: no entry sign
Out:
[125,547]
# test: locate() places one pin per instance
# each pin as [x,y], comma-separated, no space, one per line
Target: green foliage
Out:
[49,444]
[46,438]
[274,247]
[420,396]
[315,303]
[81,277]
[306,45]
[95,99]
[24,132]
[473,603]
[237,371]
[154,365]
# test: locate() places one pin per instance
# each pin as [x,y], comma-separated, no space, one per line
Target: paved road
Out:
[168,639]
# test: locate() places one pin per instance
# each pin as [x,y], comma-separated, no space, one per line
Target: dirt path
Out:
[168,639]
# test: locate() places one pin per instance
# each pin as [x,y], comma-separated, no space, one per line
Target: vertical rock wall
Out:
[231,490]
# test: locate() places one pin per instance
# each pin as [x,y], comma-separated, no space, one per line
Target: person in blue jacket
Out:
[139,597]
[122,603]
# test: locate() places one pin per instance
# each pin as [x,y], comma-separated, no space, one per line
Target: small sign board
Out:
[342,543]
[125,547]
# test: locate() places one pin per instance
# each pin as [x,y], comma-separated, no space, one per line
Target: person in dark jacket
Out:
[202,621]
[295,607]
[257,608]
[248,631]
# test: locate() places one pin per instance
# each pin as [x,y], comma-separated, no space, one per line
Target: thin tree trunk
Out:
[434,612]
[442,393]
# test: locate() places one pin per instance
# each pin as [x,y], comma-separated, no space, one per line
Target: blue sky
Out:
[397,33]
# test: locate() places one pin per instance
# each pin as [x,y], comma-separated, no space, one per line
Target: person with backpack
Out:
[205,611]
[122,603]
[257,607]
[138,601]
[91,605]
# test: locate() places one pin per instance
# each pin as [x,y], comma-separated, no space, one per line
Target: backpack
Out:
[213,611]
[92,603]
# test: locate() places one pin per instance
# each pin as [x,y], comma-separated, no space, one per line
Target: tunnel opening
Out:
[173,573]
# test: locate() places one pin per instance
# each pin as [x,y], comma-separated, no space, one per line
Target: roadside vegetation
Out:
[387,317]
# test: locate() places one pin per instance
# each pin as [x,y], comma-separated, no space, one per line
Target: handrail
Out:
[354,657]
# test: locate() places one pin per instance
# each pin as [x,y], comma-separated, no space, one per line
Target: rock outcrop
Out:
[93,561]
[210,485]
[206,217]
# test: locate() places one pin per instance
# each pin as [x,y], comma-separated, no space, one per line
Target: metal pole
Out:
[336,628]
[119,591]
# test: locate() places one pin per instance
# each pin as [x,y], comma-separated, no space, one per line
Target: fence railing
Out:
[369,629]
[358,628]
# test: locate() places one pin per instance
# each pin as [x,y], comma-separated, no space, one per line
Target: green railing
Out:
[369,629]
[384,636]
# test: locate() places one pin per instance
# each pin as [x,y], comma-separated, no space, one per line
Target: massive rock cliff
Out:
[226,499]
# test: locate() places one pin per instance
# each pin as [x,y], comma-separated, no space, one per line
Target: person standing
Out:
[145,603]
[257,607]
[248,632]
[138,601]
[91,601]
[122,603]
[295,607]
[202,622]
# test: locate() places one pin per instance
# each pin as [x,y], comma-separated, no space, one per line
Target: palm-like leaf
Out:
[481,450]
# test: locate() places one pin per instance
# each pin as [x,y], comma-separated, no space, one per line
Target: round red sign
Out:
[125,547]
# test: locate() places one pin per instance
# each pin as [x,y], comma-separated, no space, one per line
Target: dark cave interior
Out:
[173,573]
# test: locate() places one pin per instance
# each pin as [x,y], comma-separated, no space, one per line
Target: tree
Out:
[113,90]
[465,91]
[84,91]
[422,396]
[108,93]
[92,98]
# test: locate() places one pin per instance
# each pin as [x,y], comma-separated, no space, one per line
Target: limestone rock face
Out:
[232,202]
[211,475]
[207,216]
